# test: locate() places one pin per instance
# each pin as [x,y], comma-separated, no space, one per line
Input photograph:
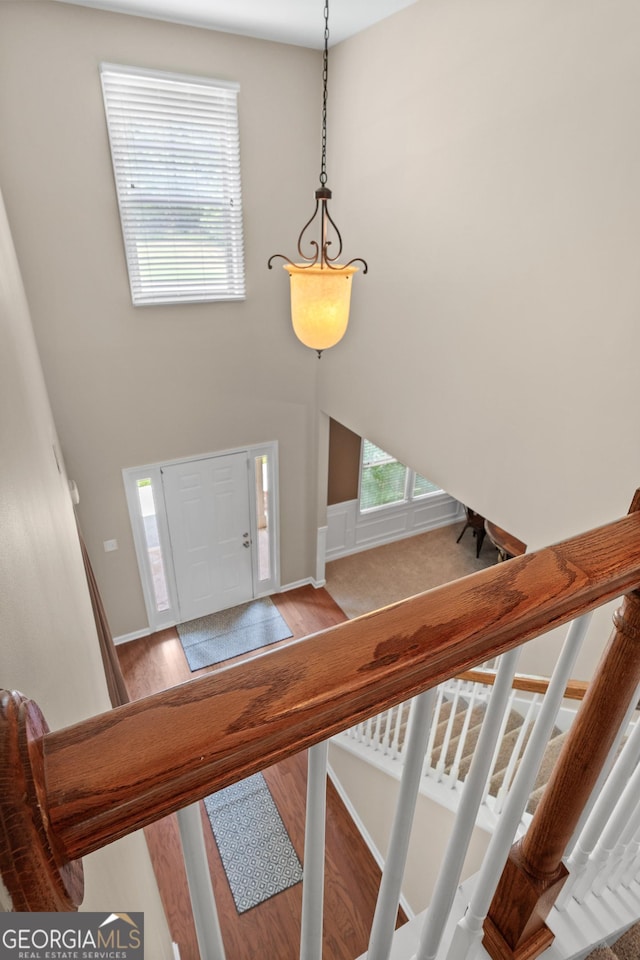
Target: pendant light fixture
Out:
[320,286]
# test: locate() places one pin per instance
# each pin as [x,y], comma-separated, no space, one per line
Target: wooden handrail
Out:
[575,689]
[102,778]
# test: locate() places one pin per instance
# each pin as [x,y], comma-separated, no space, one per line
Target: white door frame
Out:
[160,619]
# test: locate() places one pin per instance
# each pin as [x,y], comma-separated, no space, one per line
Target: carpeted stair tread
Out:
[514,722]
[504,755]
[548,762]
[551,754]
[510,737]
[470,742]
[443,722]
[477,716]
[443,718]
[627,947]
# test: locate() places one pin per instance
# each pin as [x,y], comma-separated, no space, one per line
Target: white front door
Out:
[208,514]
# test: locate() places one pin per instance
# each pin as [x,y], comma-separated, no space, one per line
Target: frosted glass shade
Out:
[320,298]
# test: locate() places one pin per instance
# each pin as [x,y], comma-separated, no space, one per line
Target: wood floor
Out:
[271,930]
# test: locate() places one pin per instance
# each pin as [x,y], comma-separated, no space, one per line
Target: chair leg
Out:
[480,535]
[461,532]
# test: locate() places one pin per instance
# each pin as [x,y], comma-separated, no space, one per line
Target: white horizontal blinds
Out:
[383,478]
[176,160]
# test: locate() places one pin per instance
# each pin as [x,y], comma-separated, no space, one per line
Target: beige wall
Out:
[48,644]
[374,796]
[484,161]
[129,385]
[483,158]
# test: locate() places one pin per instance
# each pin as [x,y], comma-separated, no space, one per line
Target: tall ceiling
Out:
[288,21]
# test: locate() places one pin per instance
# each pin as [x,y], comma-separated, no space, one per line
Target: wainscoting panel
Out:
[349,531]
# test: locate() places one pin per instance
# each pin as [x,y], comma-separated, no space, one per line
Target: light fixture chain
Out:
[325,76]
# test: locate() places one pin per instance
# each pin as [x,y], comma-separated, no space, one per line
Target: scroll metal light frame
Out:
[320,251]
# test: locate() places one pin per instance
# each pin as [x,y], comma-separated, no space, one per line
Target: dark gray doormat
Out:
[228,633]
[255,849]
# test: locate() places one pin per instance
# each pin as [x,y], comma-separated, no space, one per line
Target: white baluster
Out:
[498,746]
[368,731]
[626,729]
[384,919]
[453,775]
[402,708]
[623,810]
[432,733]
[386,738]
[377,735]
[205,914]
[622,854]
[600,813]
[468,932]
[453,861]
[314,833]
[439,770]
[515,753]
[633,858]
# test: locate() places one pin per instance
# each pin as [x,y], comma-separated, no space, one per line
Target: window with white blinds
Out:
[176,161]
[385,481]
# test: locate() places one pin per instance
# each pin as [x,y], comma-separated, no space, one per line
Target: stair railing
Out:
[66,793]
[384,735]
[470,930]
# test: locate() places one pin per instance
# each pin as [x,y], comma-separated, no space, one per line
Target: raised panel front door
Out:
[208,514]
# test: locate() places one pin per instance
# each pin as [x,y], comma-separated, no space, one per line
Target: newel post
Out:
[534,874]
[34,874]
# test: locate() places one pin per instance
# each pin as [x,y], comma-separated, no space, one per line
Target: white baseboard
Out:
[126,637]
[306,582]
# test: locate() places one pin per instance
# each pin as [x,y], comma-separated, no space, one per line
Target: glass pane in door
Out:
[262,515]
[152,540]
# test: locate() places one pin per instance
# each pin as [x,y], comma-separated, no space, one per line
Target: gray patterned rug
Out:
[255,849]
[229,633]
